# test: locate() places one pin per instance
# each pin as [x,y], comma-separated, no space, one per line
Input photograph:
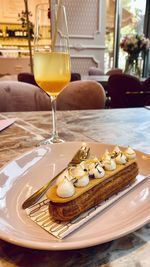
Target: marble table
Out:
[124,127]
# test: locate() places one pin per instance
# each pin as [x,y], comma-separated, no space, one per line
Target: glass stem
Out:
[54,118]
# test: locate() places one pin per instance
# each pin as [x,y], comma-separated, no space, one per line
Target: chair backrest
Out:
[27,77]
[81,95]
[75,76]
[19,96]
[125,91]
[114,71]
[146,91]
[95,71]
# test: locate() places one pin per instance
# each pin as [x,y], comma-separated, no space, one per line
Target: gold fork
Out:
[80,155]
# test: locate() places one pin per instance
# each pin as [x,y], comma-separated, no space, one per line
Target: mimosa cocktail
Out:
[51,55]
[52,71]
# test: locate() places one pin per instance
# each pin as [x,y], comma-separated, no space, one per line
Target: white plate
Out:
[22,176]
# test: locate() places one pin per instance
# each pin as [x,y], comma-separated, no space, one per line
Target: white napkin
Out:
[5,123]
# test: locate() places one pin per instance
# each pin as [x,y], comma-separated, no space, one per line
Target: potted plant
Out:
[135,45]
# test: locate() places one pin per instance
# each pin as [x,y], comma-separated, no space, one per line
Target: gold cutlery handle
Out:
[80,155]
[39,193]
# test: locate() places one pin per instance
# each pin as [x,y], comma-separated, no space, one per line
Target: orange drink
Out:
[52,71]
[51,55]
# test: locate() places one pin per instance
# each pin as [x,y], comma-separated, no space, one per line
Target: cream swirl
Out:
[65,188]
[96,170]
[106,156]
[62,176]
[130,153]
[109,164]
[79,175]
[81,182]
[121,159]
[116,151]
[77,171]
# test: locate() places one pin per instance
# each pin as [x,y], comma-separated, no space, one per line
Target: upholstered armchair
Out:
[95,71]
[125,91]
[20,96]
[114,71]
[82,95]
[29,77]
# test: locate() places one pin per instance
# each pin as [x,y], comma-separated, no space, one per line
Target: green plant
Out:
[24,17]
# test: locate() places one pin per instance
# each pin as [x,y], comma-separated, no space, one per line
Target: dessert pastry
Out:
[91,182]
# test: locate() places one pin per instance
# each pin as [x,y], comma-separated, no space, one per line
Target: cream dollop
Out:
[96,170]
[79,175]
[65,188]
[130,153]
[81,182]
[116,151]
[121,159]
[77,172]
[109,164]
[88,163]
[106,156]
[62,176]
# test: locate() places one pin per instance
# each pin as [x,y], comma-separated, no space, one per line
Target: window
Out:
[131,15]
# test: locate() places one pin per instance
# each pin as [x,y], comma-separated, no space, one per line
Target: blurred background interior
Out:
[96,28]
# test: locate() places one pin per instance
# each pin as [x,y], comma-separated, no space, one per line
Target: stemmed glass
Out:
[51,56]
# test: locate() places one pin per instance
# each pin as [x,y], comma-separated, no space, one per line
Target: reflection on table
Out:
[123,127]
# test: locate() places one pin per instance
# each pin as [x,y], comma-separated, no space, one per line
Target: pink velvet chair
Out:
[95,71]
[19,96]
[27,77]
[114,71]
[125,91]
[81,95]
[75,76]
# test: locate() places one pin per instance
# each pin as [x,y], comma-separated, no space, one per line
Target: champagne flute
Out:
[51,56]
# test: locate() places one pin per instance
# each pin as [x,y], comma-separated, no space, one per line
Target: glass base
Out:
[52,140]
